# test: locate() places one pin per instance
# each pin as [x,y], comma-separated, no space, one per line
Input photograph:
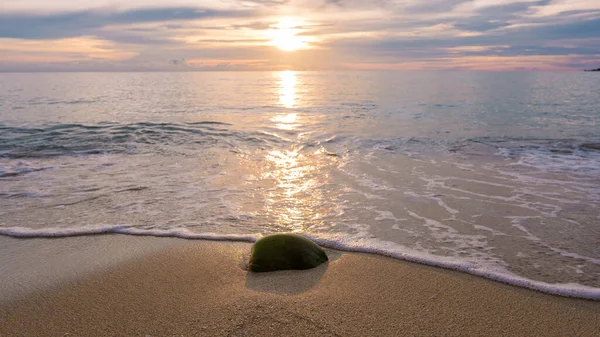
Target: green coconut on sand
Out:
[285,252]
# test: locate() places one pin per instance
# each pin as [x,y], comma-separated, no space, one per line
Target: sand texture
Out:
[199,288]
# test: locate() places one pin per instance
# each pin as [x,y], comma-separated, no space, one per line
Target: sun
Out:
[284,35]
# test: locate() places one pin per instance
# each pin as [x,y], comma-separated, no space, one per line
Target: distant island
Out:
[597,69]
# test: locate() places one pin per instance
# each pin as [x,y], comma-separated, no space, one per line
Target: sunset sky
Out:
[139,35]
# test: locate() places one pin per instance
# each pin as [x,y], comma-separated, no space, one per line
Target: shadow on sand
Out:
[286,282]
[289,282]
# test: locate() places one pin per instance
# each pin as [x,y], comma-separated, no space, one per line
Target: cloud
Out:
[80,23]
[178,62]
[444,34]
[434,6]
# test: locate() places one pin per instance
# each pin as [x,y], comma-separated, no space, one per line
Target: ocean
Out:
[493,174]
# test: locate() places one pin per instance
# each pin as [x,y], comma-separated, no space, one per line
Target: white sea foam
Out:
[183,233]
[361,242]
[385,215]
[435,198]
[493,231]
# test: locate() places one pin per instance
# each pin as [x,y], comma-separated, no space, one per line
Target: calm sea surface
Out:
[494,174]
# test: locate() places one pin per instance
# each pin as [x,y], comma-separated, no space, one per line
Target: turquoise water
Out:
[495,174]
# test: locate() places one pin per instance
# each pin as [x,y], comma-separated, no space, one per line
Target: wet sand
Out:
[200,288]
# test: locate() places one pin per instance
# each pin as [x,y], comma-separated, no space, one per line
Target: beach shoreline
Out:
[166,286]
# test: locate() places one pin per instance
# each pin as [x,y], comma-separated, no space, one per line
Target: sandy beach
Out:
[200,288]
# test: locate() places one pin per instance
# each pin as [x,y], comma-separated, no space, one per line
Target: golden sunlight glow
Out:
[287,88]
[286,119]
[61,50]
[296,201]
[290,170]
[286,122]
[284,35]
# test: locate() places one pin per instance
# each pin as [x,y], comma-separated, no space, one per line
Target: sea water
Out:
[494,174]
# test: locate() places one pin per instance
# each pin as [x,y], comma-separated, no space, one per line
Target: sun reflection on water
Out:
[296,201]
[287,88]
[287,122]
[293,171]
[294,176]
